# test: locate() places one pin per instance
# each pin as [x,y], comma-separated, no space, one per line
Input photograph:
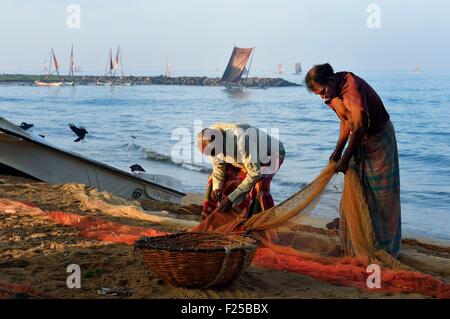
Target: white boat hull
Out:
[102,83]
[40,83]
[30,155]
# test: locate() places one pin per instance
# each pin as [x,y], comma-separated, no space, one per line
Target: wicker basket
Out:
[198,260]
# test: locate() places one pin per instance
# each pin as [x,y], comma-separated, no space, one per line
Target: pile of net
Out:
[277,228]
[90,199]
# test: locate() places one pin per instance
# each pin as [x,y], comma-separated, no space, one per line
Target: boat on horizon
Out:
[418,69]
[54,61]
[280,69]
[112,67]
[168,73]
[297,68]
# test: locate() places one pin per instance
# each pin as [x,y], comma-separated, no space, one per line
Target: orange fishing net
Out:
[277,228]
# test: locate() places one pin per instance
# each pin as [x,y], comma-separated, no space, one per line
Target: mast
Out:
[250,64]
[56,62]
[71,71]
[50,63]
[109,64]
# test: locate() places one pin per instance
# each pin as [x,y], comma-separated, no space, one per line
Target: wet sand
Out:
[35,252]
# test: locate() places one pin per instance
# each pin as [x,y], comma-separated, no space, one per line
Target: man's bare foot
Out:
[333,225]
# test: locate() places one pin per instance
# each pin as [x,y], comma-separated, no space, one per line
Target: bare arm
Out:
[359,129]
[344,133]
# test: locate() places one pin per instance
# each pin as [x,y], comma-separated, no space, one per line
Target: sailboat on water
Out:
[46,82]
[232,77]
[112,67]
[297,68]
[418,69]
[280,69]
[168,72]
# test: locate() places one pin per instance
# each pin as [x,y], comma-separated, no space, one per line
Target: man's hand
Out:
[225,204]
[216,195]
[335,156]
[342,165]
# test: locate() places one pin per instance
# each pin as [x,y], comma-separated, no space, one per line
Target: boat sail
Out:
[280,69]
[168,72]
[235,68]
[298,68]
[54,61]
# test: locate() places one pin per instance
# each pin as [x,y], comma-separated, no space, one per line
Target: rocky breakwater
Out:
[145,80]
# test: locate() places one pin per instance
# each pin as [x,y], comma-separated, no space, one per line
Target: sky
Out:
[198,35]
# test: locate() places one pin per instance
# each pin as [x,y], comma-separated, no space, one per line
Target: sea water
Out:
[419,105]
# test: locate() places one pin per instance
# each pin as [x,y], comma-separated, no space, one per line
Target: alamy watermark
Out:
[374,19]
[374,279]
[243,144]
[74,279]
[73,20]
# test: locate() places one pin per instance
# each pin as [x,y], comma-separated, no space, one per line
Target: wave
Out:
[293,185]
[158,157]
[132,147]
[11,99]
[167,159]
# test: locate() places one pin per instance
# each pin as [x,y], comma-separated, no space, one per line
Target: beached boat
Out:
[24,154]
[46,81]
[236,67]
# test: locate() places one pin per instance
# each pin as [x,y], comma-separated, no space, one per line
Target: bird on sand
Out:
[136,168]
[25,126]
[79,131]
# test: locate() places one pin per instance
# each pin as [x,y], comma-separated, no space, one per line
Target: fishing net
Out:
[278,227]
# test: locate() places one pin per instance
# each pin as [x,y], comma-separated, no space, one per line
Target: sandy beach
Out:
[35,251]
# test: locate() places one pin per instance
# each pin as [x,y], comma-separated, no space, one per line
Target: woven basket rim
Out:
[145,243]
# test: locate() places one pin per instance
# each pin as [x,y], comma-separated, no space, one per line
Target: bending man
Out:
[244,159]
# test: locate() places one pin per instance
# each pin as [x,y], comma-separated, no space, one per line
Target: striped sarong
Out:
[376,163]
[257,200]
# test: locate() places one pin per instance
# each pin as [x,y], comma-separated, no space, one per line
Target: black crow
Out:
[79,131]
[25,126]
[137,168]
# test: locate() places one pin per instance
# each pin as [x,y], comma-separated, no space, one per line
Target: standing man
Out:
[244,159]
[372,147]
